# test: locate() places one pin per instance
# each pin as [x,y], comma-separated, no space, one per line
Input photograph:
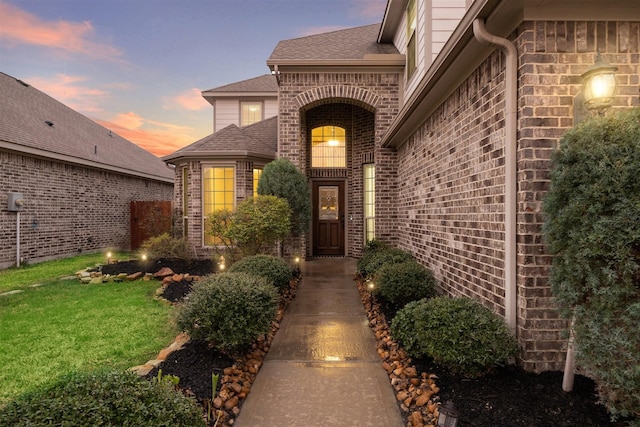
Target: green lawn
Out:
[49,330]
[45,272]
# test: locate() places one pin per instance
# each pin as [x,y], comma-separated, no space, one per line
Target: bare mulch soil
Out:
[507,397]
[196,267]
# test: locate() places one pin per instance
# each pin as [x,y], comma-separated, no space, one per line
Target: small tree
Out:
[281,178]
[256,224]
[592,226]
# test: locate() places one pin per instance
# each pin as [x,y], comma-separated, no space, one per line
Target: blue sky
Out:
[138,66]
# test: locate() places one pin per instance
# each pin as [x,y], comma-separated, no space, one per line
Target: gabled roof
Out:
[352,44]
[262,84]
[33,123]
[256,141]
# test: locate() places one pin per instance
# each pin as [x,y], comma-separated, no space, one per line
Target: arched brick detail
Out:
[329,94]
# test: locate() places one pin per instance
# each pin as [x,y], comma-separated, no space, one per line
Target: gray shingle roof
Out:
[256,139]
[352,43]
[265,83]
[33,122]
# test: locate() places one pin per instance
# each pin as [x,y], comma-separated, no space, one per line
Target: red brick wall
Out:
[371,101]
[68,208]
[451,172]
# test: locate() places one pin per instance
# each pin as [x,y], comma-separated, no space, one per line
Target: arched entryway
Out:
[338,184]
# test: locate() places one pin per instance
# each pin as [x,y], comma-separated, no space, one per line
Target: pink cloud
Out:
[190,99]
[21,27]
[70,91]
[158,138]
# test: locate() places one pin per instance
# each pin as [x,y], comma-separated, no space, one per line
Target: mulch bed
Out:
[507,397]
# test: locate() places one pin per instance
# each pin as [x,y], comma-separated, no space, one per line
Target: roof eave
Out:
[215,94]
[392,16]
[179,157]
[49,155]
[370,60]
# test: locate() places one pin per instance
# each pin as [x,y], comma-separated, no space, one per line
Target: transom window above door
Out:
[328,147]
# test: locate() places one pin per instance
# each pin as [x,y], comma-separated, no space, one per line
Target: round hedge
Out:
[274,269]
[103,398]
[229,310]
[404,282]
[458,333]
[373,260]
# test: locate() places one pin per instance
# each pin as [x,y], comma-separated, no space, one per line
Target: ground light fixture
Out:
[109,255]
[222,263]
[599,88]
[448,416]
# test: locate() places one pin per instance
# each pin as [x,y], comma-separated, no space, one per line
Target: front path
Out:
[323,369]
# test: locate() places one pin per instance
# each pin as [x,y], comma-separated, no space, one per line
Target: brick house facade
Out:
[77,179]
[460,145]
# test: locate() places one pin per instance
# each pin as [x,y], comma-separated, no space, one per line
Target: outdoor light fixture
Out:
[370,285]
[448,416]
[599,87]
[144,257]
[221,263]
[108,258]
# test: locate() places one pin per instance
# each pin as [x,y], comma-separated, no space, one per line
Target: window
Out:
[185,202]
[257,173]
[250,113]
[369,190]
[328,147]
[218,192]
[411,37]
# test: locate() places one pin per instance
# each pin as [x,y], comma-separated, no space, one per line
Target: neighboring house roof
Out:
[350,44]
[266,83]
[256,141]
[33,123]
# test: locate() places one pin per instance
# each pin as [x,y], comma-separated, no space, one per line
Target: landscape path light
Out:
[448,416]
[599,88]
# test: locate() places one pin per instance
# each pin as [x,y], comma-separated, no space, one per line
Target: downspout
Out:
[510,202]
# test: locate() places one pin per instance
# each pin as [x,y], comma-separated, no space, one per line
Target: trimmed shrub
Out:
[459,333]
[370,249]
[592,227]
[401,283]
[229,310]
[103,398]
[166,246]
[383,255]
[274,269]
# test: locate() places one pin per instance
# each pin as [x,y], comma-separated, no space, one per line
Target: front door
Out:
[328,218]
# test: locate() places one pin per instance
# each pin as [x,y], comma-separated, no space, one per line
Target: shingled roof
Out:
[258,140]
[262,84]
[33,123]
[350,44]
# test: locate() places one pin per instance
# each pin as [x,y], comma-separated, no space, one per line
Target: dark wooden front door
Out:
[328,218]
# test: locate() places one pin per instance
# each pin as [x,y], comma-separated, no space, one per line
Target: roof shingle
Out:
[33,122]
[352,43]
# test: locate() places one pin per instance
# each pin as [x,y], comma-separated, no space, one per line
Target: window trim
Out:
[366,190]
[257,102]
[202,187]
[411,44]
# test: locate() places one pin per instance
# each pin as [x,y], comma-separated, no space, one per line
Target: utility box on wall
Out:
[15,202]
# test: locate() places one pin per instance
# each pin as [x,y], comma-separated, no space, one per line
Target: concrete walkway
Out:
[323,369]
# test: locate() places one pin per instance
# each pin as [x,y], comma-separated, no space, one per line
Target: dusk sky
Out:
[137,67]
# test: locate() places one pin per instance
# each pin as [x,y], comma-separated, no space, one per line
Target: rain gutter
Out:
[510,203]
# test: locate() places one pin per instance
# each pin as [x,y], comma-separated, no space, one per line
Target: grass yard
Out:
[49,330]
[45,272]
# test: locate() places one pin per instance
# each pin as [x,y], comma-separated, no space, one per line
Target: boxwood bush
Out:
[103,398]
[458,333]
[229,310]
[401,283]
[372,260]
[592,227]
[274,269]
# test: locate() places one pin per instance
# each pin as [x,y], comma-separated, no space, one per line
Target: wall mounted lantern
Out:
[599,87]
